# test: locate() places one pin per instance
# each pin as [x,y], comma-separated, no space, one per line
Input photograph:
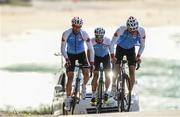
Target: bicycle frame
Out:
[123,84]
[100,90]
[76,91]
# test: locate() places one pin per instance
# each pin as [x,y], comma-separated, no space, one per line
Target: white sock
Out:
[105,92]
[93,94]
[68,97]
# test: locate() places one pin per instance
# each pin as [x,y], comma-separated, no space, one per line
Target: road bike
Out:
[123,86]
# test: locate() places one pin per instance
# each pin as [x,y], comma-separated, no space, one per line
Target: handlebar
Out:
[125,61]
[82,66]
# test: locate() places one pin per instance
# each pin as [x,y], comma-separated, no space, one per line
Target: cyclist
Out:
[101,46]
[126,38]
[72,48]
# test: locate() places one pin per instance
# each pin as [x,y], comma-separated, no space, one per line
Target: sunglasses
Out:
[76,26]
[99,36]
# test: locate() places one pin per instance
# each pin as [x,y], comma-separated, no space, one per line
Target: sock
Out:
[93,94]
[105,92]
[68,97]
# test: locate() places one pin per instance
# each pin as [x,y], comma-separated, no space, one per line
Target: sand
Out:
[57,15]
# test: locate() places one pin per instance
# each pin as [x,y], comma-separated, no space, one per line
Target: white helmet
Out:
[99,31]
[132,23]
[77,21]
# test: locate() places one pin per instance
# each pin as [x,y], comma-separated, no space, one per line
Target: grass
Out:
[43,110]
[19,2]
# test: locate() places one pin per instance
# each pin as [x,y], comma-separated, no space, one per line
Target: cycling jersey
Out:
[101,49]
[73,43]
[126,40]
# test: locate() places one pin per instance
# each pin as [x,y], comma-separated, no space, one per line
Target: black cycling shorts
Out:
[105,60]
[82,59]
[129,53]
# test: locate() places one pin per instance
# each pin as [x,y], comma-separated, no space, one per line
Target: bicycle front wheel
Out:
[73,105]
[99,98]
[125,94]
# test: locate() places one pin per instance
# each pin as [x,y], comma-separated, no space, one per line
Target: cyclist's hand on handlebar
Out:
[138,59]
[113,60]
[92,67]
[68,63]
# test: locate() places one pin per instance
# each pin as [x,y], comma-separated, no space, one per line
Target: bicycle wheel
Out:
[118,93]
[74,99]
[64,111]
[99,98]
[73,105]
[125,94]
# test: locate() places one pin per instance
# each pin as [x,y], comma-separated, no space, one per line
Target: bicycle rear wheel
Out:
[74,96]
[125,94]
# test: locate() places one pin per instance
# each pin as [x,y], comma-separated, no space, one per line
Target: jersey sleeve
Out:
[142,40]
[89,45]
[116,36]
[63,43]
[107,42]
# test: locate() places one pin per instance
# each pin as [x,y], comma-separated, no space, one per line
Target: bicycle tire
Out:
[73,105]
[74,98]
[125,94]
[118,94]
[100,98]
[64,111]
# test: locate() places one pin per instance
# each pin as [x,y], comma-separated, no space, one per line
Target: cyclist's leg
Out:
[119,55]
[106,64]
[83,60]
[70,75]
[96,75]
[131,63]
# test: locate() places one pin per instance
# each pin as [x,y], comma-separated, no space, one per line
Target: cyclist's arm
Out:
[114,41]
[142,42]
[107,42]
[63,46]
[90,47]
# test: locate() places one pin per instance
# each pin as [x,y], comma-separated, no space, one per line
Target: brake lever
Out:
[138,66]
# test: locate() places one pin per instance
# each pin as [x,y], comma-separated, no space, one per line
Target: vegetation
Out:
[11,111]
[17,2]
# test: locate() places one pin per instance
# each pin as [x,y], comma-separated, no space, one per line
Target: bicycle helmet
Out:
[99,32]
[132,23]
[77,21]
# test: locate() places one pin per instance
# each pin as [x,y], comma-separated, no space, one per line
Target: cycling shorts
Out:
[82,59]
[105,60]
[129,53]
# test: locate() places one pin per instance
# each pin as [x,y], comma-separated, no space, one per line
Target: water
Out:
[28,65]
